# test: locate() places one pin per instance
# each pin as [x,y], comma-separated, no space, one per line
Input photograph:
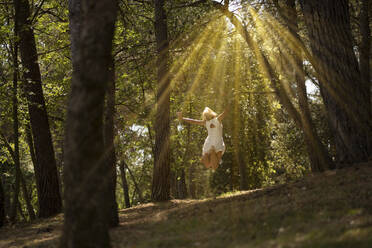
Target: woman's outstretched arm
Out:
[192,121]
[221,116]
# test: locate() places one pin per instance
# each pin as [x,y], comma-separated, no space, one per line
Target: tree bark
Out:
[161,174]
[30,209]
[364,64]
[50,202]
[125,184]
[318,154]
[341,87]
[110,147]
[86,178]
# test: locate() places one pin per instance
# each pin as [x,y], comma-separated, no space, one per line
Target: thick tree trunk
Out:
[125,184]
[341,86]
[365,69]
[2,204]
[161,174]
[110,147]
[50,202]
[318,154]
[86,177]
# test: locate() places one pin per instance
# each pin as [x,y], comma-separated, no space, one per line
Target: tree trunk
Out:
[318,154]
[181,184]
[86,177]
[365,69]
[13,207]
[19,181]
[26,197]
[2,204]
[173,184]
[13,213]
[30,209]
[237,151]
[125,184]
[192,186]
[140,196]
[341,86]
[21,211]
[15,201]
[110,147]
[31,147]
[161,174]
[50,202]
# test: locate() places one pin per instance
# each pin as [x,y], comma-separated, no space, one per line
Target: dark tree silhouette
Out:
[365,69]
[125,184]
[49,197]
[161,175]
[86,178]
[337,69]
[110,147]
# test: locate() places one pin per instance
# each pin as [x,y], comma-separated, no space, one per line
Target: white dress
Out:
[214,127]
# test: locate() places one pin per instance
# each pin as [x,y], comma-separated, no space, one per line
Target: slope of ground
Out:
[331,209]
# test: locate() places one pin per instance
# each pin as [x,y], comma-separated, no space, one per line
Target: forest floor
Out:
[330,209]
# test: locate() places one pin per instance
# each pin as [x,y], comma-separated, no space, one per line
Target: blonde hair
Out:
[208,114]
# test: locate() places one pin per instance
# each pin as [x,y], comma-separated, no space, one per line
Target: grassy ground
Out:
[331,209]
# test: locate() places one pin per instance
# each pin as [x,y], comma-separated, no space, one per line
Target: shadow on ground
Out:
[330,209]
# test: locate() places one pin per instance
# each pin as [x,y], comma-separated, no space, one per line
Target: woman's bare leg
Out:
[213,159]
[206,160]
[219,157]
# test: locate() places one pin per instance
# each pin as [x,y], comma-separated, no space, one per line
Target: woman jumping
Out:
[214,147]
